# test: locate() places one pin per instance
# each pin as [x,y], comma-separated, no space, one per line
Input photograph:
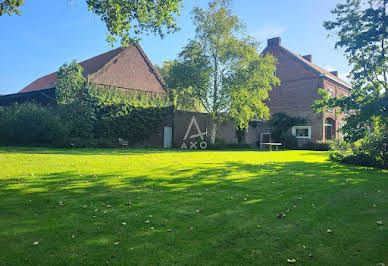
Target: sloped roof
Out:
[93,66]
[318,69]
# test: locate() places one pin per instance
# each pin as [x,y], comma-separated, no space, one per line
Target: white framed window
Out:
[301,132]
[331,91]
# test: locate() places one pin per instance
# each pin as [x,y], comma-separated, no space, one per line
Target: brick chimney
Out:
[274,42]
[335,73]
[308,57]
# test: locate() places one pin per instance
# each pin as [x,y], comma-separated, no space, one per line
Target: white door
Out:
[167,142]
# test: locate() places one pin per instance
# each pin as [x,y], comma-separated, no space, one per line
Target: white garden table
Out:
[262,145]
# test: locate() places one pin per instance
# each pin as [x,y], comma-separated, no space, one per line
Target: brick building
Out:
[300,81]
[124,68]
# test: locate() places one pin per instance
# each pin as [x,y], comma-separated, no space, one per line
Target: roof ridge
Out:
[149,63]
[80,63]
[95,68]
[317,68]
[104,66]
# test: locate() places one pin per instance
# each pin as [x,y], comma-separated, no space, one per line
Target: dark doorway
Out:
[329,129]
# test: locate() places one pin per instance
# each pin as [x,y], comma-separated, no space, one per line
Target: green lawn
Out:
[207,207]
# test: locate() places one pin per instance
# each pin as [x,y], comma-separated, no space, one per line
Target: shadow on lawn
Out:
[78,151]
[221,191]
[109,151]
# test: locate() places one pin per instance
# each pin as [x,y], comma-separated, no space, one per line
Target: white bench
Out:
[122,142]
[262,145]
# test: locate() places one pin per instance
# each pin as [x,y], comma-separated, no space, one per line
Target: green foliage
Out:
[10,6]
[70,83]
[97,119]
[29,124]
[372,150]
[184,98]
[129,19]
[287,139]
[247,87]
[240,135]
[281,124]
[222,69]
[362,30]
[229,146]
[222,145]
[78,119]
[125,19]
[133,116]
[317,146]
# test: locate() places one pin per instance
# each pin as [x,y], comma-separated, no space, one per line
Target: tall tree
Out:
[124,19]
[362,30]
[127,19]
[183,97]
[223,69]
[10,6]
[70,83]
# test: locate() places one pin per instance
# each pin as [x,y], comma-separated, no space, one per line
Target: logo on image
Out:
[197,140]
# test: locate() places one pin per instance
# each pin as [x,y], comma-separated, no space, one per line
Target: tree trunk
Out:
[213,133]
[215,103]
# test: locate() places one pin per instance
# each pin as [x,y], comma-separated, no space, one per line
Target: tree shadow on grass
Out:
[78,151]
[113,151]
[212,209]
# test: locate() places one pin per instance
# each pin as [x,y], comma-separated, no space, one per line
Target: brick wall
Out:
[299,90]
[225,130]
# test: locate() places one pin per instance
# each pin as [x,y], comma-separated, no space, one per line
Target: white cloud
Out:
[341,75]
[329,68]
[344,77]
[268,31]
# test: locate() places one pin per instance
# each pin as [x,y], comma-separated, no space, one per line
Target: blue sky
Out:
[50,33]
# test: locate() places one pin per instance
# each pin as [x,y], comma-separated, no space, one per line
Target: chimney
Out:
[274,42]
[335,73]
[308,57]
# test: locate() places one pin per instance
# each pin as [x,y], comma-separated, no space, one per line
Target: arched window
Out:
[329,129]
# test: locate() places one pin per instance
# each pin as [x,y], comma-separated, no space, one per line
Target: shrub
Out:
[370,151]
[78,119]
[281,124]
[288,141]
[228,146]
[359,158]
[6,116]
[29,124]
[240,135]
[85,116]
[87,143]
[376,146]
[317,146]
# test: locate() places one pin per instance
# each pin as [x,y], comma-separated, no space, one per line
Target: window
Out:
[330,93]
[301,132]
[329,129]
[330,96]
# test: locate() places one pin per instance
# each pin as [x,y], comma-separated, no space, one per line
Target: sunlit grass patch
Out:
[177,207]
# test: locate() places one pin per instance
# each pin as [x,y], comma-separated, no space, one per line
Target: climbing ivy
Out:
[132,115]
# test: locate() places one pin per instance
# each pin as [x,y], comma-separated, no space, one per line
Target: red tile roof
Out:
[127,68]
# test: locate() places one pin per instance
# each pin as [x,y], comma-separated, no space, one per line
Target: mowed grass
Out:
[199,208]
